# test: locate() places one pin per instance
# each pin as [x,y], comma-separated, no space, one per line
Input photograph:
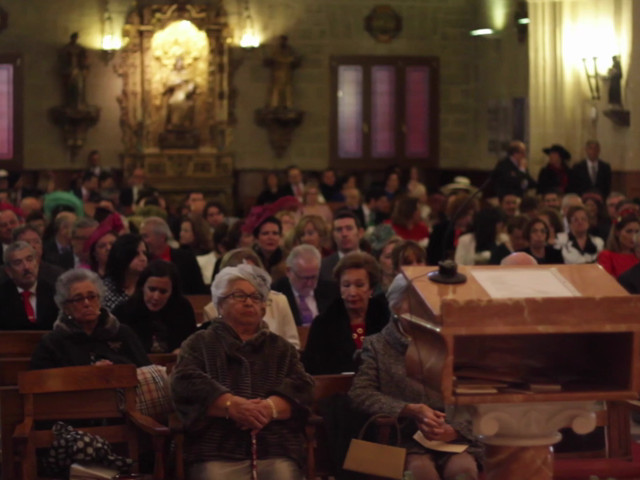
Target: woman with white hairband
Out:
[241,390]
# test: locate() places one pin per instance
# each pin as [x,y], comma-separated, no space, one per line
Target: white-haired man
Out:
[308,295]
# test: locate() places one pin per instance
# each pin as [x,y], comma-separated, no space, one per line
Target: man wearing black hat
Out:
[555,175]
[591,173]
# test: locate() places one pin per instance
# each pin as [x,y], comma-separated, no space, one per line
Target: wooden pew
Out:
[10,408]
[10,416]
[319,463]
[10,400]
[303,333]
[198,302]
[9,369]
[85,392]
[163,359]
[20,343]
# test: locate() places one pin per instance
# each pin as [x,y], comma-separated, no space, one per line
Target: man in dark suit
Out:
[511,174]
[156,234]
[591,173]
[347,233]
[8,221]
[27,297]
[295,185]
[88,189]
[58,250]
[130,195]
[308,295]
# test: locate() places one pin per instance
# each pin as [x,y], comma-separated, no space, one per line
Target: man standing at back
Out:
[308,295]
[130,195]
[347,233]
[27,297]
[8,221]
[58,250]
[81,232]
[591,173]
[156,234]
[295,184]
[511,175]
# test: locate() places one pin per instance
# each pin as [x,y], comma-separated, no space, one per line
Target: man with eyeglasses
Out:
[308,296]
[26,297]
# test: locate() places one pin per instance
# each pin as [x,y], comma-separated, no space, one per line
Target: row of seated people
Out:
[470,237]
[27,281]
[353,279]
[488,244]
[77,243]
[225,369]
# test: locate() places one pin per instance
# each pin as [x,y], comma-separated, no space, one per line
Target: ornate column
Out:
[519,436]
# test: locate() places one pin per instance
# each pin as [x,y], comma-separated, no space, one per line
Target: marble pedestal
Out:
[519,437]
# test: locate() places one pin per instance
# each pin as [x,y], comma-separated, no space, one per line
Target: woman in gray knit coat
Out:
[382,386]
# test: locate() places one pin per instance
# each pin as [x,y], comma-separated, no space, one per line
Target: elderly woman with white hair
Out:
[240,389]
[85,333]
[381,386]
[278,315]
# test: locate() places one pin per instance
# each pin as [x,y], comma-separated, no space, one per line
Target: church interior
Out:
[202,102]
[525,80]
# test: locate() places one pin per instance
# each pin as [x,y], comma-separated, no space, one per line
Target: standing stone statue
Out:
[282,62]
[74,67]
[615,80]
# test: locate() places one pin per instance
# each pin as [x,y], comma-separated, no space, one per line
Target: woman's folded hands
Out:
[432,423]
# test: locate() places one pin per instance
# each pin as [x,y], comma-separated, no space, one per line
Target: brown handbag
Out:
[375,458]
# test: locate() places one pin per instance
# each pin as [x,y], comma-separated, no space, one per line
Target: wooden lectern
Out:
[527,365]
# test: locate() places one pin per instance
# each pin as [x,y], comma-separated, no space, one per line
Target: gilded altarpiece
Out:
[175,108]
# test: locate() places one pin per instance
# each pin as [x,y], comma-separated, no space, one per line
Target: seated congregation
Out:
[239,315]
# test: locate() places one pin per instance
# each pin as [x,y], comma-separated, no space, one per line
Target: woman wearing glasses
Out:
[240,389]
[278,315]
[85,333]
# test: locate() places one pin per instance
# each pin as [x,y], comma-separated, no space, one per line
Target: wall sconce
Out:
[592,77]
[250,38]
[481,32]
[110,43]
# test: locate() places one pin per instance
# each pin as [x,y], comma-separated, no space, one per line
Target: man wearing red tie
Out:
[26,298]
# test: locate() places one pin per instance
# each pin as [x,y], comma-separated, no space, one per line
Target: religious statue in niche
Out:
[615,80]
[179,85]
[181,91]
[279,117]
[74,66]
[282,62]
[616,113]
[75,116]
